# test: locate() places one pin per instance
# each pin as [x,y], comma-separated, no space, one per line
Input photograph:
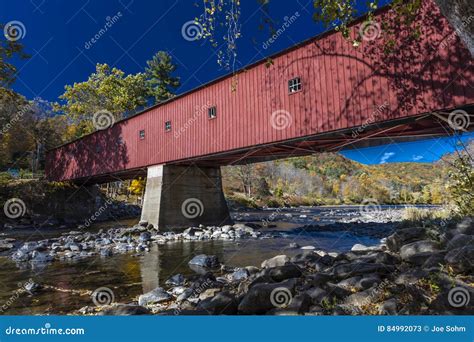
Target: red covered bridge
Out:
[322,94]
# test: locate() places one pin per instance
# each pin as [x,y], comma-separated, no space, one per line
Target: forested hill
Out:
[330,178]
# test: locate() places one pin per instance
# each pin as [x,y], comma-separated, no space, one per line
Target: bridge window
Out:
[212,112]
[294,85]
[168,126]
[142,134]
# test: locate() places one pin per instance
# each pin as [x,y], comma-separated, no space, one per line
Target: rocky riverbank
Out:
[419,270]
[137,239]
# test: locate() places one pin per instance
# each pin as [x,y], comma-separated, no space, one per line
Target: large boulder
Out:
[203,260]
[404,236]
[461,259]
[281,273]
[176,280]
[266,296]
[360,268]
[223,303]
[279,260]
[125,310]
[409,250]
[155,296]
[460,240]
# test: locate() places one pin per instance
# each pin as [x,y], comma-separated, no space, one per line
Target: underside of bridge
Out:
[189,193]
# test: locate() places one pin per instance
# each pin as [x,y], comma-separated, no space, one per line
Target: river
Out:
[130,275]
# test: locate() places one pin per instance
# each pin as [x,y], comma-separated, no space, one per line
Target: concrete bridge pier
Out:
[184,196]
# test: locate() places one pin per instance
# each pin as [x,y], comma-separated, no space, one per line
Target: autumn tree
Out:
[107,89]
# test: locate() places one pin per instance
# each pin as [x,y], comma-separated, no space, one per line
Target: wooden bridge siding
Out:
[330,69]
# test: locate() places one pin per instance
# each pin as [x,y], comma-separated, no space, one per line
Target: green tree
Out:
[160,81]
[108,89]
[9,49]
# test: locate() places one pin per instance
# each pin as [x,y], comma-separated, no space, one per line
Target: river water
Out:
[130,275]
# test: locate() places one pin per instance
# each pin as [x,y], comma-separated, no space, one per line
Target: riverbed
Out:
[68,284]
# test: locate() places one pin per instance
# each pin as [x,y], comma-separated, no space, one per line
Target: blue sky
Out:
[58,35]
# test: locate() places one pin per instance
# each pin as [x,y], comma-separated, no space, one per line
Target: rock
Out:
[368,281]
[262,297]
[40,257]
[317,295]
[300,303]
[185,295]
[223,303]
[413,248]
[239,274]
[411,276]
[157,295]
[226,228]
[32,287]
[177,290]
[363,298]
[362,248]
[176,280]
[281,273]
[74,248]
[353,269]
[209,261]
[191,231]
[466,226]
[350,283]
[460,240]
[319,279]
[106,252]
[208,293]
[144,237]
[435,260]
[339,292]
[30,246]
[5,246]
[389,307]
[461,259]
[293,245]
[279,260]
[402,236]
[143,223]
[125,310]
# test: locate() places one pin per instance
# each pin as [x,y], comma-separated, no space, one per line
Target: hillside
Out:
[330,178]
